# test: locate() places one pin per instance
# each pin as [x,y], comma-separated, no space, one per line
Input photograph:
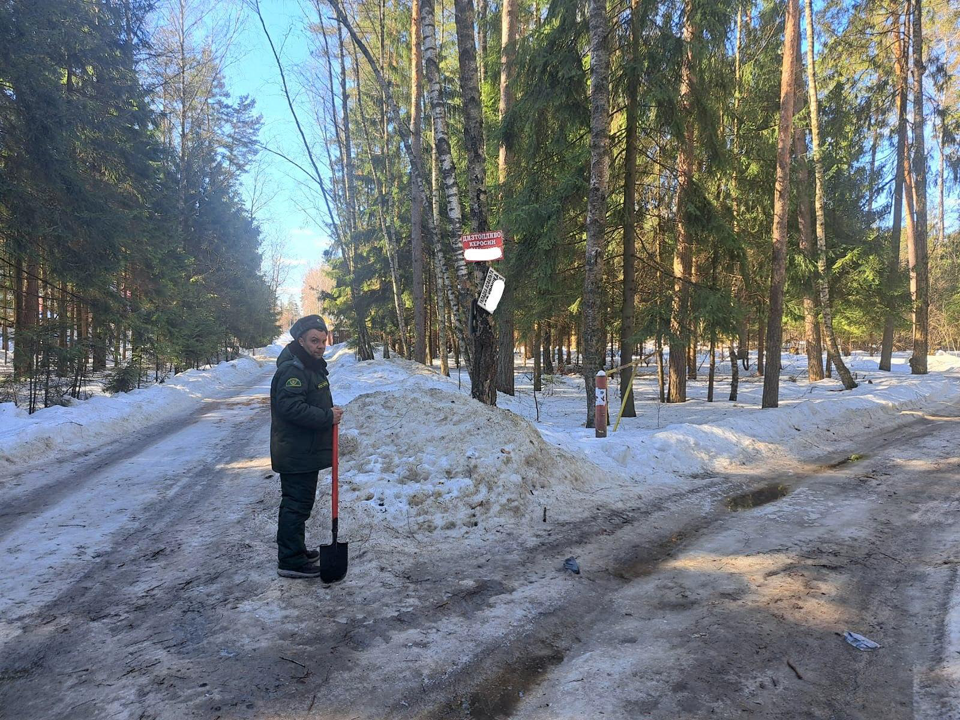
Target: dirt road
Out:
[139,582]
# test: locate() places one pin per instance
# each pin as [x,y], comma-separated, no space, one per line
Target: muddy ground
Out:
[139,582]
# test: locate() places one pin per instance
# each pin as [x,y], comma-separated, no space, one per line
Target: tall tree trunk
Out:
[680,320]
[99,342]
[417,173]
[364,348]
[472,116]
[26,312]
[941,146]
[693,345]
[630,218]
[781,205]
[661,326]
[761,339]
[739,289]
[811,323]
[5,320]
[833,350]
[505,323]
[593,330]
[547,348]
[444,285]
[416,196]
[902,48]
[385,215]
[482,40]
[484,375]
[465,287]
[919,266]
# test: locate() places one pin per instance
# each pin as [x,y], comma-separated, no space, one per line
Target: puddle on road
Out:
[756,498]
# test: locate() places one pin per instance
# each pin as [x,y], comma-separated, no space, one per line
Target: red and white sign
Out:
[482,247]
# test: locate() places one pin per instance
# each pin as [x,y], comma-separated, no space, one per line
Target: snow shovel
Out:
[333,557]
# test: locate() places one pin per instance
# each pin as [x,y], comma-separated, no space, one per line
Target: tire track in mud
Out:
[627,544]
[53,482]
[498,678]
[97,608]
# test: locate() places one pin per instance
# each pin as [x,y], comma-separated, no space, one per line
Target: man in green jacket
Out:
[302,416]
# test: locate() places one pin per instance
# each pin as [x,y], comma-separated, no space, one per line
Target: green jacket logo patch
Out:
[294,382]
[322,385]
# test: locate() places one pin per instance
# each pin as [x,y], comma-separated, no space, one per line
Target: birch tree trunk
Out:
[781,205]
[418,176]
[833,350]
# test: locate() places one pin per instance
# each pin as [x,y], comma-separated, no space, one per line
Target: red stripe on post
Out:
[600,411]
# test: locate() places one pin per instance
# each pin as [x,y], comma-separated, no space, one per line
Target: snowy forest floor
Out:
[138,570]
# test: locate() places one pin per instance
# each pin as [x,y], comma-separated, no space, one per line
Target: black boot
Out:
[310,570]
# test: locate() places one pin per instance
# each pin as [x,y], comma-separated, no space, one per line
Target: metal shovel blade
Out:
[333,562]
[333,557]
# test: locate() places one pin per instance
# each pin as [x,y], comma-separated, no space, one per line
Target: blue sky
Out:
[254,73]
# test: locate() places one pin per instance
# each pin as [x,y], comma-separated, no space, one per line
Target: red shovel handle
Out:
[336,463]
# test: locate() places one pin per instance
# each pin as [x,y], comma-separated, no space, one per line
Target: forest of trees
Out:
[125,239]
[700,174]
[723,178]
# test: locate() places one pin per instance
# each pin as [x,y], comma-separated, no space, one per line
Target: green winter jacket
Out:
[301,419]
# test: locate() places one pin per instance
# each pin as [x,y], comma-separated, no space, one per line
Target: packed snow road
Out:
[139,582]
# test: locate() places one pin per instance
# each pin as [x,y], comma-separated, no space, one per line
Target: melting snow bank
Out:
[429,459]
[84,424]
[798,428]
[420,457]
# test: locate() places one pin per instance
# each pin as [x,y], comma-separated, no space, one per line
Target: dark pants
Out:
[299,491]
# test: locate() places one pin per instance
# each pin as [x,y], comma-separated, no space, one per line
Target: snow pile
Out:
[274,349]
[350,379]
[809,415]
[84,424]
[433,460]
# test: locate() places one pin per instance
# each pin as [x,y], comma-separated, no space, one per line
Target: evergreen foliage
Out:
[122,228]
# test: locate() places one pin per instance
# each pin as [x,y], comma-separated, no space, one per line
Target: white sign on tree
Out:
[493,286]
